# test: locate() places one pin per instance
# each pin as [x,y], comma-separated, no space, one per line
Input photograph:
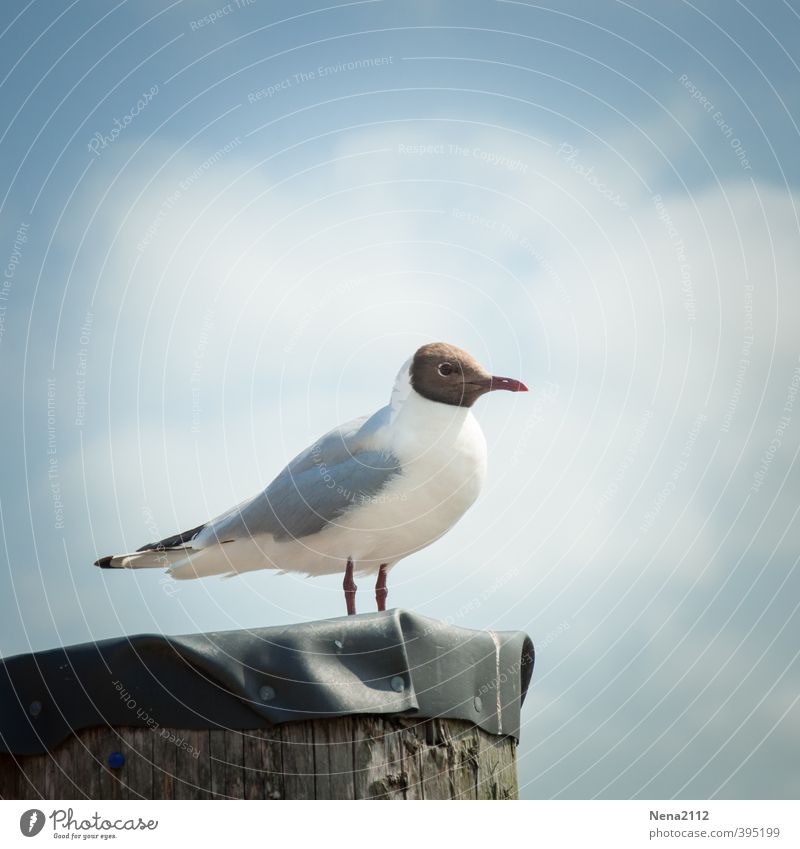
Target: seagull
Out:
[360,498]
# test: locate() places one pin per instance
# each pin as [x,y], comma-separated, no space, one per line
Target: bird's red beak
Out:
[508,383]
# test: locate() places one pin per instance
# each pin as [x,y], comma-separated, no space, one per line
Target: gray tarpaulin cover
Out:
[381,663]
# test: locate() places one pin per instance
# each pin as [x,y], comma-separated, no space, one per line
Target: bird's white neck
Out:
[418,421]
[402,388]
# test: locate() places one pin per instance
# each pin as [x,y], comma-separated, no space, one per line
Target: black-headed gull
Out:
[363,496]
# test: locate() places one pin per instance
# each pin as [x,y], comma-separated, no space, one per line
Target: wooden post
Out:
[350,757]
[389,705]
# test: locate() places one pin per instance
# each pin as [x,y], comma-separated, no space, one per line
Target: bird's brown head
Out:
[444,373]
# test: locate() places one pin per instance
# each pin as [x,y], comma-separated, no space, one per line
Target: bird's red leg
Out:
[350,589]
[381,592]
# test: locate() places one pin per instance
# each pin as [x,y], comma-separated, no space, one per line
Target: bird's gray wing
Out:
[338,472]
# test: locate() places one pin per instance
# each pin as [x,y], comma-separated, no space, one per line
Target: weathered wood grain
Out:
[494,772]
[465,761]
[413,743]
[333,759]
[356,757]
[10,777]
[165,765]
[193,778]
[59,769]
[297,753]
[137,773]
[263,764]
[227,761]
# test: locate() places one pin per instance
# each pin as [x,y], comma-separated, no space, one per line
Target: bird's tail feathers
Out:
[151,559]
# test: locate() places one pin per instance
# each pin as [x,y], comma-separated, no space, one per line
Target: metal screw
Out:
[35,708]
[339,644]
[478,704]
[266,693]
[398,685]
[116,760]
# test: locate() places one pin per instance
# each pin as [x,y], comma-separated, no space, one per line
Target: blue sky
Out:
[224,227]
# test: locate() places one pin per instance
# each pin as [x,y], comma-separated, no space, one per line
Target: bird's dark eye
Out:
[445,369]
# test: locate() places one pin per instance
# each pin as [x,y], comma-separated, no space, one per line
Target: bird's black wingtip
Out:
[104,562]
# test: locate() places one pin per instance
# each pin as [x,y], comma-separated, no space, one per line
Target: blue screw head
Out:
[116,760]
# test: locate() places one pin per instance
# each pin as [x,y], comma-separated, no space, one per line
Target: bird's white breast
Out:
[442,453]
[442,456]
